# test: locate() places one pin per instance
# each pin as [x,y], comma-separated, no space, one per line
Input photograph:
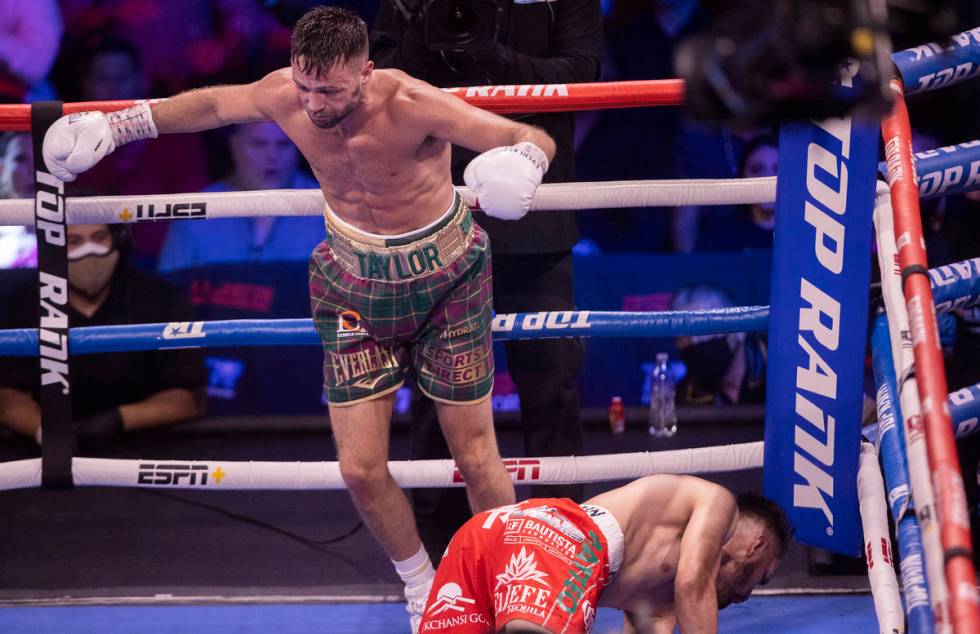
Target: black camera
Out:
[454,25]
[769,61]
[460,25]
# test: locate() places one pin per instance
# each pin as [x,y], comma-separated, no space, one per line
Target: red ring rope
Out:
[499,99]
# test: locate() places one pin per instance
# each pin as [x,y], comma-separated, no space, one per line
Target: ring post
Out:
[951,505]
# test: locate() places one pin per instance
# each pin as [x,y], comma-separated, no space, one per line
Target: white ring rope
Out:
[218,475]
[877,543]
[915,442]
[309,202]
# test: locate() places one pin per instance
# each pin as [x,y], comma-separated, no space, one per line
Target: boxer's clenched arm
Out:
[447,117]
[515,156]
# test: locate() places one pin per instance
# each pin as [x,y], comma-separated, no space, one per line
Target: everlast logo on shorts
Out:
[397,265]
[349,367]
[172,210]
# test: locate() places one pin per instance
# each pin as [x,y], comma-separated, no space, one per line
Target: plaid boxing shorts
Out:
[422,300]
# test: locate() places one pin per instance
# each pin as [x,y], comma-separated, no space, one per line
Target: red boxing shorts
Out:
[545,561]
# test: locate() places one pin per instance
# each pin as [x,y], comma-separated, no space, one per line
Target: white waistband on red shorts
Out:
[611,531]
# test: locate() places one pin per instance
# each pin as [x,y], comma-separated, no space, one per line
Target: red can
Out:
[617,415]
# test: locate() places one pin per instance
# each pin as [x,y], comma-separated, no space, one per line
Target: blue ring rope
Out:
[300,332]
[954,285]
[891,447]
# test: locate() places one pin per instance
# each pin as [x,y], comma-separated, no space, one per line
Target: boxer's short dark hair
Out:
[326,36]
[770,514]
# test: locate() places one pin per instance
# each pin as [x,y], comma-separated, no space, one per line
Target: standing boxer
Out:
[403,277]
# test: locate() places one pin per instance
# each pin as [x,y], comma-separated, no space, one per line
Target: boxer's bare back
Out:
[655,515]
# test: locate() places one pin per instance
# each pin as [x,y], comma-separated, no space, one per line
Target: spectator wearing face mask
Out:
[262,157]
[111,392]
[721,369]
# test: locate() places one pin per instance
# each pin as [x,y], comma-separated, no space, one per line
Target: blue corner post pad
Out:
[817,326]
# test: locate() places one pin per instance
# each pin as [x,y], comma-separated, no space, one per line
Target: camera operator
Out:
[481,42]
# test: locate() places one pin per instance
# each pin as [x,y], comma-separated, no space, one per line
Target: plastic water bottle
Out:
[663,415]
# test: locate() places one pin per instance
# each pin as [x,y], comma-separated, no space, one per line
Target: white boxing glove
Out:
[504,179]
[76,142]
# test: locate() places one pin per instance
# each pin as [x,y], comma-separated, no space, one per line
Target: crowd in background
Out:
[97,50]
[91,50]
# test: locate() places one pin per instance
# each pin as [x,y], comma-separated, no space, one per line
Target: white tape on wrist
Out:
[131,124]
[532,153]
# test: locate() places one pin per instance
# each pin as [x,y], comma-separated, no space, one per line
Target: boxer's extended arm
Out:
[76,142]
[695,597]
[209,108]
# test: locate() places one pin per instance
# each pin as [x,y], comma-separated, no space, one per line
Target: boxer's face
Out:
[329,97]
[751,562]
[737,579]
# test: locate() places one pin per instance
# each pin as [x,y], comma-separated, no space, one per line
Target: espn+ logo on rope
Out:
[177,474]
[156,211]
